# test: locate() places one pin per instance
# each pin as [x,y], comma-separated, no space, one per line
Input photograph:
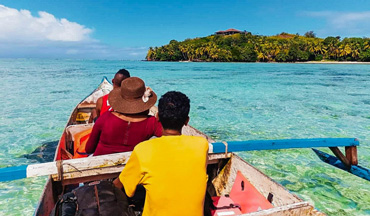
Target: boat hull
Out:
[222,168]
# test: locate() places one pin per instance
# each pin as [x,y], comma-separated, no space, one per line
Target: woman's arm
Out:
[94,138]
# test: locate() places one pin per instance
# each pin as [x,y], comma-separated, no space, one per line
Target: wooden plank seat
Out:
[83,113]
[87,105]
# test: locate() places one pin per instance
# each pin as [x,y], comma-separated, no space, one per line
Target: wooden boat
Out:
[79,120]
[223,169]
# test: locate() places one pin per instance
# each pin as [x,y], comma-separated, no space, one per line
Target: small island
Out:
[233,45]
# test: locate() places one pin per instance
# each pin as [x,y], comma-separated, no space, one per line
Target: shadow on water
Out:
[201,108]
[44,153]
[217,134]
[366,102]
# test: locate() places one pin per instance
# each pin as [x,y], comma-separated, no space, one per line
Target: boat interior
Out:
[236,187]
[257,194]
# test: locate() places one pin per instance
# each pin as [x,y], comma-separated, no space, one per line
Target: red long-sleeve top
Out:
[111,134]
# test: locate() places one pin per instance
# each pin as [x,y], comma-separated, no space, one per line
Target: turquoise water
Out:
[229,101]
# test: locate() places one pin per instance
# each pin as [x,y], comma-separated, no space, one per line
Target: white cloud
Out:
[20,25]
[344,23]
[45,36]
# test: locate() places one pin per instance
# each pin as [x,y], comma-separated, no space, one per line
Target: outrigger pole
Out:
[112,164]
[347,162]
[257,145]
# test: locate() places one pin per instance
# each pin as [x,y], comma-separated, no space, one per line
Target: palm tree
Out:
[184,51]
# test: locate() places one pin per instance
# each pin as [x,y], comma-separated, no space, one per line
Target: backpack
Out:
[101,199]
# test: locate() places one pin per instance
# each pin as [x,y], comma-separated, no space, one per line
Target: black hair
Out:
[124,72]
[118,80]
[173,110]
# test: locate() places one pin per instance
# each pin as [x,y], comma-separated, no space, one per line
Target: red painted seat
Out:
[225,206]
[243,198]
[247,196]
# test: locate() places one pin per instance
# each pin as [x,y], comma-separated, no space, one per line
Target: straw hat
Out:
[132,97]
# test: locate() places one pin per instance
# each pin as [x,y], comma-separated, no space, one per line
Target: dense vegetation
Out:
[245,47]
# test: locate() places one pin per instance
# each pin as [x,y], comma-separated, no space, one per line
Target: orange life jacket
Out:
[80,140]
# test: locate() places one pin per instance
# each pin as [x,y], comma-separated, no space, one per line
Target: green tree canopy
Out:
[246,47]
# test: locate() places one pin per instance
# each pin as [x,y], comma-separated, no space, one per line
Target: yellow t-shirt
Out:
[173,171]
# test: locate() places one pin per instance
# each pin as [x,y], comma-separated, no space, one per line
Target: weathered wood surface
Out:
[341,156]
[48,199]
[78,165]
[264,184]
[351,154]
[95,167]
[104,88]
[295,209]
[110,171]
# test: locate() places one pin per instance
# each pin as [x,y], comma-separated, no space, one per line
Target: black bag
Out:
[101,199]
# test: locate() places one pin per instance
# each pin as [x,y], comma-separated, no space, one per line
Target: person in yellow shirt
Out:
[171,168]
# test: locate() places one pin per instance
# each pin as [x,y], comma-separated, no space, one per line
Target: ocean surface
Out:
[229,101]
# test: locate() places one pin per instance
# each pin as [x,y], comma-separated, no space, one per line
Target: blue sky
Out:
[126,29]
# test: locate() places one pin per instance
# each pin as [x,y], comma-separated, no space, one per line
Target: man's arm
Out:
[130,176]
[99,104]
[118,183]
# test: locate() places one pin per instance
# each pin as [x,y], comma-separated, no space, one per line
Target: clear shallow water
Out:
[229,101]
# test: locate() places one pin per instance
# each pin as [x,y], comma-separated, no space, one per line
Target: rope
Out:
[60,170]
[73,167]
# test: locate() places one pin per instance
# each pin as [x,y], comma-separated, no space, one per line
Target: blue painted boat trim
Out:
[256,145]
[12,173]
[105,78]
[359,171]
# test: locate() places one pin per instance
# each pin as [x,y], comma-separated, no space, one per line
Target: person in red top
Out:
[129,123]
[102,104]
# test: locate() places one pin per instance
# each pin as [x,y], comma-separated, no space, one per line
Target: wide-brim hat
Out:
[132,97]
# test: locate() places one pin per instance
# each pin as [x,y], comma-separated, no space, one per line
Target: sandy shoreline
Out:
[333,62]
[307,62]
